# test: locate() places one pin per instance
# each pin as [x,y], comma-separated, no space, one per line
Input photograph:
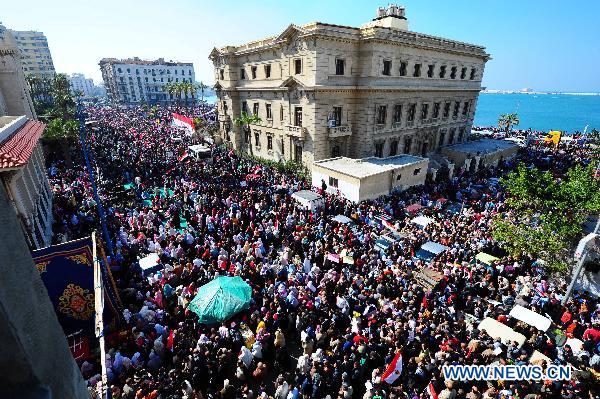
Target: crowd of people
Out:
[330,310]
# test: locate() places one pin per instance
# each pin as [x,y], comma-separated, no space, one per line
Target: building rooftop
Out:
[482,146]
[138,61]
[18,138]
[365,167]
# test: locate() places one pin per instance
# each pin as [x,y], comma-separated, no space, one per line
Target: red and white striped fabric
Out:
[431,391]
[183,122]
[393,370]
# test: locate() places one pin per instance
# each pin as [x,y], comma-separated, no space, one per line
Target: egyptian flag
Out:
[183,122]
[431,391]
[170,340]
[183,156]
[394,369]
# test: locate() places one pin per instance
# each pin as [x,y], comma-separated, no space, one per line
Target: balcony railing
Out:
[340,131]
[379,128]
[295,131]
[410,123]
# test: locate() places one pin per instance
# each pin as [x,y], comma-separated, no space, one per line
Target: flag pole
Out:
[99,307]
[82,140]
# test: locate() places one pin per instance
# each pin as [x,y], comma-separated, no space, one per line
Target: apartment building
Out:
[35,53]
[135,81]
[324,90]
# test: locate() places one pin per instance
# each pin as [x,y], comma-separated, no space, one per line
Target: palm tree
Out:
[245,120]
[202,86]
[170,89]
[508,120]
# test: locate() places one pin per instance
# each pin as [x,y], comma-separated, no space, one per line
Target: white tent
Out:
[150,264]
[342,219]
[495,329]
[422,221]
[530,317]
[309,199]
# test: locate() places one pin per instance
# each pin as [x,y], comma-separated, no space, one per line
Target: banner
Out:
[183,122]
[553,137]
[67,271]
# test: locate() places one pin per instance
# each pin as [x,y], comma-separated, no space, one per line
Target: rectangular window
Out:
[424,111]
[461,133]
[298,116]
[465,108]
[269,113]
[397,113]
[446,109]
[387,67]
[463,73]
[379,150]
[339,66]
[381,114]
[442,137]
[247,137]
[417,71]
[337,115]
[412,109]
[456,107]
[297,66]
[417,171]
[244,106]
[269,142]
[442,71]
[473,71]
[451,137]
[255,108]
[257,139]
[281,113]
[393,148]
[403,66]
[436,110]
[333,182]
[407,145]
[453,73]
[267,71]
[242,73]
[221,74]
[253,72]
[430,69]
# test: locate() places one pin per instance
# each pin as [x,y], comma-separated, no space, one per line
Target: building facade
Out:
[135,81]
[325,91]
[35,53]
[14,94]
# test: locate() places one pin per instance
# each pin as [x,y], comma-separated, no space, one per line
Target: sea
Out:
[541,111]
[538,111]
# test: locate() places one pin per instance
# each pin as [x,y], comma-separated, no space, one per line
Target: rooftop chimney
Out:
[391,17]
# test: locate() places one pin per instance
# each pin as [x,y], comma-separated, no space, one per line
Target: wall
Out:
[347,186]
[34,350]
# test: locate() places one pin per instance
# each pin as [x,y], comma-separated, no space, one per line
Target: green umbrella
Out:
[220,299]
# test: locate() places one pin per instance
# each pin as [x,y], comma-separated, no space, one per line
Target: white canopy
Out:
[495,329]
[434,247]
[530,317]
[199,148]
[422,221]
[342,219]
[150,264]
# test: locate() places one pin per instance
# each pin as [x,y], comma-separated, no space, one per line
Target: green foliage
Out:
[247,119]
[508,120]
[288,166]
[546,213]
[59,129]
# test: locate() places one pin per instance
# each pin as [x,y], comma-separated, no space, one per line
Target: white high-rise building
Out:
[133,81]
[35,53]
[82,85]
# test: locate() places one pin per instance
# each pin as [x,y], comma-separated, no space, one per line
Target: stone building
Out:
[135,81]
[324,90]
[35,53]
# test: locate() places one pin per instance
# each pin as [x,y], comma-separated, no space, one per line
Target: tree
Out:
[59,129]
[546,213]
[245,120]
[201,86]
[508,120]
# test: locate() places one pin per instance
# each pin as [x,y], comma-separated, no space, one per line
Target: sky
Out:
[545,45]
